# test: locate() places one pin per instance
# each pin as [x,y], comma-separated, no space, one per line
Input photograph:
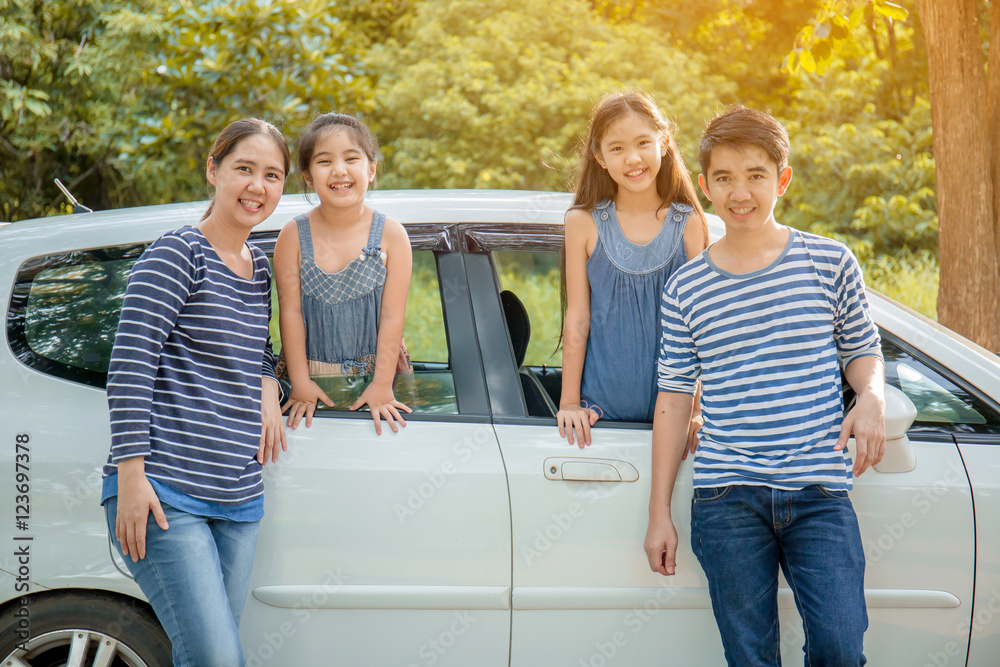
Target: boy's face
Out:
[743,185]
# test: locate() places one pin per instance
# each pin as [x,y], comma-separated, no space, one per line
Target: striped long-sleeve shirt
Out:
[184,384]
[765,346]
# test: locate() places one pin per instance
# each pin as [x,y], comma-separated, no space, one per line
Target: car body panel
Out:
[408,532]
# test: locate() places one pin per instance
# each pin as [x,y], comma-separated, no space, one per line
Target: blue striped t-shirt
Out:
[184,383]
[765,346]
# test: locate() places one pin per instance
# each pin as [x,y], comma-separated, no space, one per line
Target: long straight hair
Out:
[237,131]
[594,185]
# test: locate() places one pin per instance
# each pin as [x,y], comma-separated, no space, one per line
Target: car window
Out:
[939,400]
[64,313]
[64,309]
[72,312]
[430,388]
[533,277]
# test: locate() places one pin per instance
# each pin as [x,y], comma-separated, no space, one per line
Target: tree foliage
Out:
[860,176]
[468,98]
[67,71]
[281,60]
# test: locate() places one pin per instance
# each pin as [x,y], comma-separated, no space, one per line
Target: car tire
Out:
[104,629]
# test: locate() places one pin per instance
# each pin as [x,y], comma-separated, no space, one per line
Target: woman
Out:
[194,404]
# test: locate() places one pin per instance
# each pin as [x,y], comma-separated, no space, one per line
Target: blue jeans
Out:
[742,534]
[195,575]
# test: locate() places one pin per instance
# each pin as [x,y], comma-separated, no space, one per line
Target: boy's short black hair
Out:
[740,126]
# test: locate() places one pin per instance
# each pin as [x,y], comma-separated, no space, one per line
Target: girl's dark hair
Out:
[594,184]
[235,132]
[327,122]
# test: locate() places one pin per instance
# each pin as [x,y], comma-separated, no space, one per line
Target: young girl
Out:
[343,272]
[626,233]
[194,405]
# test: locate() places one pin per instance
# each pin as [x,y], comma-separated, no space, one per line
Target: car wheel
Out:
[84,629]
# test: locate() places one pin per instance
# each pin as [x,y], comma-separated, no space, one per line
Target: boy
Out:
[764,318]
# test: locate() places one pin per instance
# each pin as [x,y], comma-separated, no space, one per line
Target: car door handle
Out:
[576,469]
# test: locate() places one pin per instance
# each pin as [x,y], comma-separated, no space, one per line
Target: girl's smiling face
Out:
[248,181]
[339,170]
[631,151]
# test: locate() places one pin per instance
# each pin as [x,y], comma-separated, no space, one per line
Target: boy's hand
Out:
[692,440]
[866,422]
[661,544]
[576,419]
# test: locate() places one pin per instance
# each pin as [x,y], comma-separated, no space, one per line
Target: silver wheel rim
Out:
[87,648]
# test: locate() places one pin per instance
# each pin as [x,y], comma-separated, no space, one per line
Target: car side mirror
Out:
[899,415]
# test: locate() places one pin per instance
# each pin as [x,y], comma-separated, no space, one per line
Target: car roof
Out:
[407,206]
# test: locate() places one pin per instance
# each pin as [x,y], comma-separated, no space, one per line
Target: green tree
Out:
[742,40]
[68,74]
[861,176]
[467,98]
[281,60]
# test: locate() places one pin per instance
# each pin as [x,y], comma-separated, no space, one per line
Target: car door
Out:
[582,591]
[392,549]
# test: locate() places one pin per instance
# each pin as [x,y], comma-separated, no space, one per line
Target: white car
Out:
[476,535]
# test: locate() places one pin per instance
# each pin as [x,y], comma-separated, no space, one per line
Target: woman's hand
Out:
[272,432]
[136,499]
[383,405]
[573,418]
[302,401]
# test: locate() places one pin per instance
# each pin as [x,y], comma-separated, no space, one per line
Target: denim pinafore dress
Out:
[340,310]
[626,287]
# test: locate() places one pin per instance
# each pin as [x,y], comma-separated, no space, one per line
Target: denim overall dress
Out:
[340,310]
[626,286]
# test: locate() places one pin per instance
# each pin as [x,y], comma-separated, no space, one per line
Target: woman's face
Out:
[248,181]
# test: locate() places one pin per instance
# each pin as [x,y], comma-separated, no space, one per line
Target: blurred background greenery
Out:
[122,99]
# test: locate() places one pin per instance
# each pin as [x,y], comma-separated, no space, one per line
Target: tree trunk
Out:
[993,90]
[969,297]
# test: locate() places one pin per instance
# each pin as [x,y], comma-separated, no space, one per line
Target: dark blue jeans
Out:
[743,534]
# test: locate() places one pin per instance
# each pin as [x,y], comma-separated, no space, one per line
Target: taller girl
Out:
[343,273]
[626,233]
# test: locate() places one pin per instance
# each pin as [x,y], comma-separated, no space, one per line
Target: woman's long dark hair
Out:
[237,131]
[593,184]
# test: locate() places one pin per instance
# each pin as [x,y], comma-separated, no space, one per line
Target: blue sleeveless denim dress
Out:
[626,286]
[341,310]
